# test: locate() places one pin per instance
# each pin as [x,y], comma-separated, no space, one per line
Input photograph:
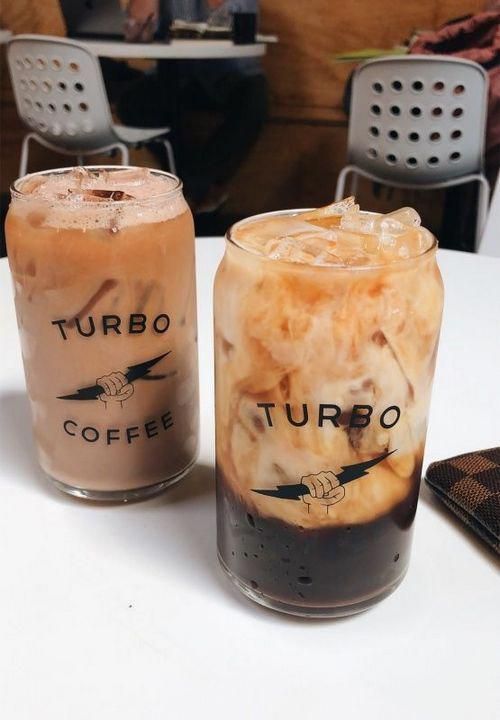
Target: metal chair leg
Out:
[482,208]
[23,161]
[339,190]
[124,153]
[80,160]
[170,155]
[353,189]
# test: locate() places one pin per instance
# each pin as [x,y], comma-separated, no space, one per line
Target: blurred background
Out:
[300,149]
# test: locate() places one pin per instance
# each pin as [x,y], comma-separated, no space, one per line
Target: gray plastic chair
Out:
[60,96]
[418,121]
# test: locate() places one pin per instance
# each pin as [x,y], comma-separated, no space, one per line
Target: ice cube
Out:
[337,235]
[328,257]
[352,240]
[80,175]
[391,223]
[358,222]
[397,242]
[33,185]
[277,248]
[329,215]
[301,247]
[86,194]
[257,235]
[405,215]
[91,194]
[132,177]
[390,232]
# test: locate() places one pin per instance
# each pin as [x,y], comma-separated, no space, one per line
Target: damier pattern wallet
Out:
[469,485]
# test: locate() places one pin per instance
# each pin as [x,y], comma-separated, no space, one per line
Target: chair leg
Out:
[482,208]
[23,161]
[341,180]
[353,189]
[80,160]
[170,154]
[124,153]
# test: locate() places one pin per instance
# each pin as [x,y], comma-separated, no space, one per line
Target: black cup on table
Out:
[162,33]
[244,28]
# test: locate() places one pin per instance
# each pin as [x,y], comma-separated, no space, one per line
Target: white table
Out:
[5,36]
[178,49]
[174,50]
[121,613]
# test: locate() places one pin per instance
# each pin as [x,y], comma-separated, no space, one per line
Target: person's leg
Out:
[117,76]
[245,115]
[155,101]
[150,100]
[243,101]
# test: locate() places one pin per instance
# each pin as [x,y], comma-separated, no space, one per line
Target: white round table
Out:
[177,49]
[122,613]
[174,50]
[5,36]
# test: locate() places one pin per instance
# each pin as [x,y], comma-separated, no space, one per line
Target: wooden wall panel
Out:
[32,16]
[449,9]
[300,67]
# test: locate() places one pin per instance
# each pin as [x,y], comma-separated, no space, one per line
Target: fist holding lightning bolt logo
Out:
[116,388]
[324,489]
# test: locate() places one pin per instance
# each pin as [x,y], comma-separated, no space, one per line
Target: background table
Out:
[178,49]
[121,613]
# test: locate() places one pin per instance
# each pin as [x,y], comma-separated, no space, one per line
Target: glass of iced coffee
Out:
[102,261]
[326,331]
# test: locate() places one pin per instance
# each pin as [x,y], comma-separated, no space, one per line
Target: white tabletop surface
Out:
[5,36]
[121,613]
[176,49]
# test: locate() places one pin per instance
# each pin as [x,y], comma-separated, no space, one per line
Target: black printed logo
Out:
[324,488]
[117,386]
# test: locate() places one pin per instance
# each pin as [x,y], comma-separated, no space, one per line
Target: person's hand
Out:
[142,20]
[116,388]
[324,489]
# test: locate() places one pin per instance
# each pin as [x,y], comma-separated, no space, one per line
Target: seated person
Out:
[234,87]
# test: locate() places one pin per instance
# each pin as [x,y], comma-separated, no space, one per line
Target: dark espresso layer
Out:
[328,567]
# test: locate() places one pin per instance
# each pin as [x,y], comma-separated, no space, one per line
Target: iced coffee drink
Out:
[103,266]
[326,331]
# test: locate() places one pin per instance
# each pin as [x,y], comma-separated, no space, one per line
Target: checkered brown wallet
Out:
[469,485]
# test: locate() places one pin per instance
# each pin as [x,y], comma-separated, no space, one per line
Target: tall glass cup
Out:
[103,266]
[325,344]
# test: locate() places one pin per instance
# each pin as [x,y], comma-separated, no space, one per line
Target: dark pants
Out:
[165,97]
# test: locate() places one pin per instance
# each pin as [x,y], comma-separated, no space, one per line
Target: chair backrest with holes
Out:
[60,92]
[418,119]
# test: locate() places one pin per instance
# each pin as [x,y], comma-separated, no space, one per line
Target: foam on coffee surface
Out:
[86,198]
[336,235]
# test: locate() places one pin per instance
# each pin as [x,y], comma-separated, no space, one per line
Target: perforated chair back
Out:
[59,92]
[418,119]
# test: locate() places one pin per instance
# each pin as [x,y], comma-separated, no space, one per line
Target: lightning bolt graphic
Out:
[348,474]
[134,372]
